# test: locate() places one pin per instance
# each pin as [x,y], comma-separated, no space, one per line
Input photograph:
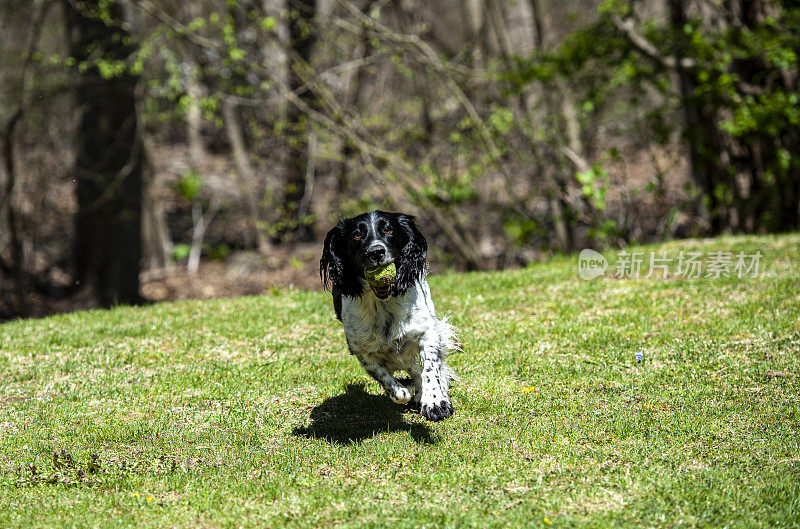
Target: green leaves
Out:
[595,185]
[502,119]
[268,23]
[522,230]
[448,192]
[196,24]
[614,7]
[189,185]
[181,251]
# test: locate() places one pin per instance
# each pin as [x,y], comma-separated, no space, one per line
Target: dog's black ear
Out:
[335,266]
[411,263]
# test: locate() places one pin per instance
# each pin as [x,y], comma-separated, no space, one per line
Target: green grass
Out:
[250,412]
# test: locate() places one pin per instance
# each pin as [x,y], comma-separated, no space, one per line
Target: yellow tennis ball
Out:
[381,276]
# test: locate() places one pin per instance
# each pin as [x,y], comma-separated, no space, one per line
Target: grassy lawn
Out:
[250,412]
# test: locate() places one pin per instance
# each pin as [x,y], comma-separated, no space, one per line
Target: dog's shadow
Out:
[356,415]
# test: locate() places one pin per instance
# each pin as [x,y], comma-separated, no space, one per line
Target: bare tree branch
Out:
[247,174]
[671,62]
[648,48]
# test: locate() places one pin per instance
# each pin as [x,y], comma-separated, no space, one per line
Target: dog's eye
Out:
[387,230]
[356,236]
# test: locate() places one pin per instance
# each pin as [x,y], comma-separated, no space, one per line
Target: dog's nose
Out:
[376,252]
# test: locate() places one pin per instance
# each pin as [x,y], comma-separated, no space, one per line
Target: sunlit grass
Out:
[250,412]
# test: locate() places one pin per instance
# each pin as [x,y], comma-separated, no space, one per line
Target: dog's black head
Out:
[367,242]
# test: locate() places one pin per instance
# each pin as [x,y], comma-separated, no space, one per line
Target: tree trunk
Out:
[296,222]
[700,127]
[354,84]
[12,218]
[248,181]
[557,206]
[157,245]
[108,166]
[772,204]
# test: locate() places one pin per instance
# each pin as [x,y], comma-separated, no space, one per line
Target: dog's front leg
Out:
[415,370]
[396,391]
[434,402]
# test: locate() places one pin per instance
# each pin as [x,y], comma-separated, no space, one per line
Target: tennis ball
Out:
[381,276]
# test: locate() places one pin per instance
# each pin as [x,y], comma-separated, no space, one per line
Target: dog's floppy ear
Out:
[335,267]
[411,263]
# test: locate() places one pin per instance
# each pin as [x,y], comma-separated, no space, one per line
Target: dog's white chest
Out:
[387,327]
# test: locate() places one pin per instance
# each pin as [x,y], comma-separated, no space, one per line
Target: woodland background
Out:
[161,149]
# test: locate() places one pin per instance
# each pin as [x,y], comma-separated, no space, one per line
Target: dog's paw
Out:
[400,395]
[414,404]
[436,412]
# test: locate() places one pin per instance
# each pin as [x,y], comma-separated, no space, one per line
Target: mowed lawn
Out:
[250,412]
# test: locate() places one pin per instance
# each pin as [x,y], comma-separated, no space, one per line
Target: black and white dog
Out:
[390,328]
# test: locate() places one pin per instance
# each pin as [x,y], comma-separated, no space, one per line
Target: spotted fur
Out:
[399,332]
